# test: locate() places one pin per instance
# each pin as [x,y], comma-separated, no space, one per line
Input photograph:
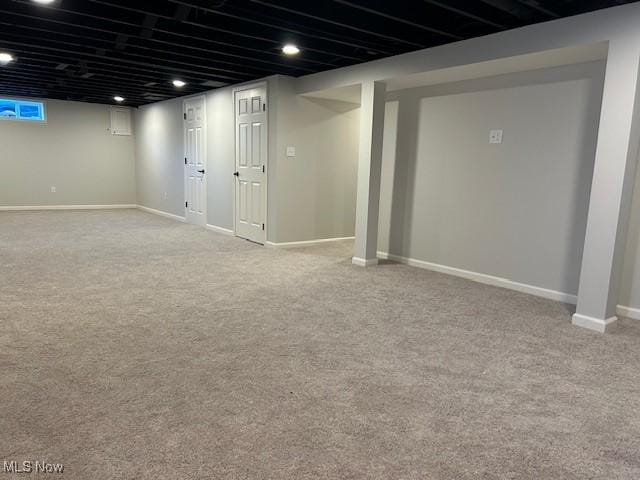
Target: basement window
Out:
[25,110]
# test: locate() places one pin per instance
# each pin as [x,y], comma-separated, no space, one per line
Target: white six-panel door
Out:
[251,159]
[195,161]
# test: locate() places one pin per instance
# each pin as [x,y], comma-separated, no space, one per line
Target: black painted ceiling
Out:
[91,50]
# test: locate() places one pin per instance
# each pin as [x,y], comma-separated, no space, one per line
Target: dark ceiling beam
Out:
[107,72]
[156,70]
[121,41]
[77,84]
[394,18]
[276,42]
[148,25]
[96,83]
[310,32]
[259,58]
[350,42]
[9,87]
[71,90]
[61,93]
[167,65]
[279,68]
[511,7]
[333,22]
[277,45]
[244,18]
[46,95]
[182,13]
[91,50]
[464,13]
[157,41]
[534,4]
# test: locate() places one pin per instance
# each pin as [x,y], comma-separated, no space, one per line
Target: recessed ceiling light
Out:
[179,83]
[290,49]
[118,98]
[5,58]
[44,2]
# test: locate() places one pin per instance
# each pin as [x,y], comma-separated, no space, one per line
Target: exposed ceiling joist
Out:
[91,50]
[465,13]
[398,19]
[512,8]
[347,26]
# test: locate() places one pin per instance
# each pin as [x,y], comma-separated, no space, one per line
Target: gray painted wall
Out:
[523,203]
[159,157]
[630,287]
[516,210]
[312,196]
[74,151]
[221,158]
[315,191]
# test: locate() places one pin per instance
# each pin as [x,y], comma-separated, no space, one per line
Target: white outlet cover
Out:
[495,136]
[53,189]
[291,151]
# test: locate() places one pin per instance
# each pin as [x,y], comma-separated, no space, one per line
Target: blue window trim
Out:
[23,110]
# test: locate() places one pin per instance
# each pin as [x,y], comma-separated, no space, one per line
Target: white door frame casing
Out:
[234,91]
[184,151]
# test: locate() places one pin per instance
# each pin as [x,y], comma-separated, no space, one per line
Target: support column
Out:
[373,95]
[611,189]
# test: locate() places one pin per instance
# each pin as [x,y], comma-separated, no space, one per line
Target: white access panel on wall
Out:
[195,161]
[251,161]
[120,121]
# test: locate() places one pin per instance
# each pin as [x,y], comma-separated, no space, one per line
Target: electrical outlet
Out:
[53,189]
[165,196]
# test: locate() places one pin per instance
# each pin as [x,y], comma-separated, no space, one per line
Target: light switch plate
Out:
[291,151]
[495,136]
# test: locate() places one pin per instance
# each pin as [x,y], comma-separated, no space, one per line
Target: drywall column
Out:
[611,189]
[372,99]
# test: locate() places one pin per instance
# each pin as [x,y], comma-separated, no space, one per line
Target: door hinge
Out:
[184,115]
[185,160]
[262,168]
[186,204]
[264,107]
[263,226]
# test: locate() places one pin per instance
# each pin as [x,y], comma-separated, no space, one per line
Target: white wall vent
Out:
[120,121]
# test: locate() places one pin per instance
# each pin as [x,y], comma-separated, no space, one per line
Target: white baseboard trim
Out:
[628,312]
[483,278]
[622,311]
[161,213]
[64,207]
[306,243]
[215,228]
[592,323]
[361,262]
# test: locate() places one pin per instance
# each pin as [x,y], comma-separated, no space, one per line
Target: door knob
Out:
[200,171]
[237,174]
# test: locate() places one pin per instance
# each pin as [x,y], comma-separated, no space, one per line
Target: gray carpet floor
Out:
[136,347]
